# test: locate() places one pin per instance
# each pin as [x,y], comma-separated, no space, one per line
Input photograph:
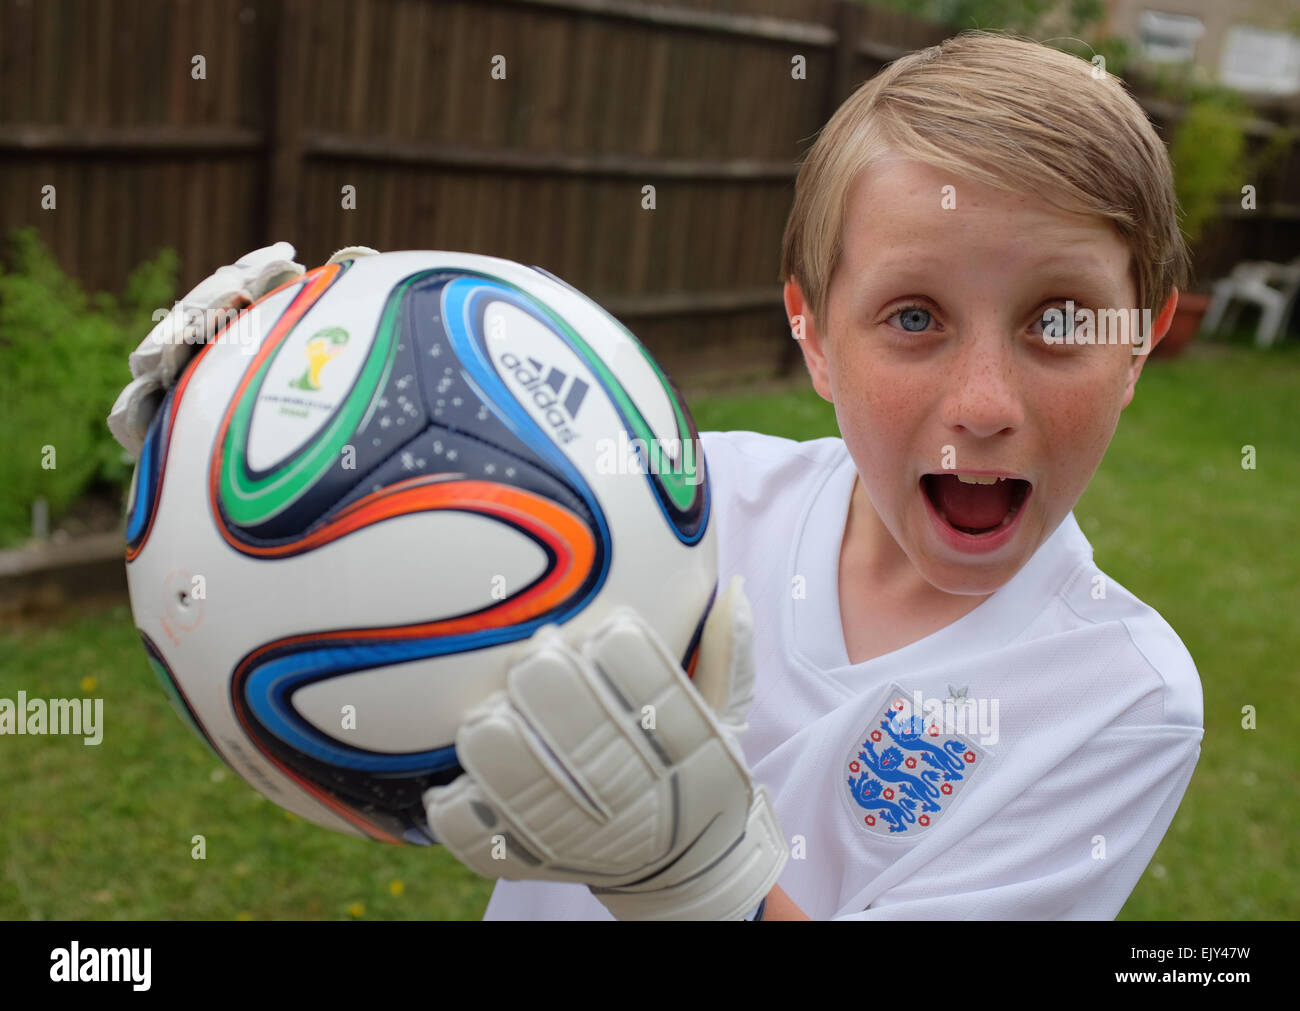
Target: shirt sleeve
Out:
[1071,847]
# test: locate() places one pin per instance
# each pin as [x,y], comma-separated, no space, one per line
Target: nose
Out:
[983,387]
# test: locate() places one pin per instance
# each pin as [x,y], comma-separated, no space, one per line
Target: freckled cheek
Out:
[879,414]
[1076,425]
[874,392]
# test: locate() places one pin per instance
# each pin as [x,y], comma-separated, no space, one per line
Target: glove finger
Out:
[267,268]
[257,258]
[566,764]
[219,286]
[638,668]
[132,413]
[249,279]
[713,665]
[273,276]
[234,285]
[462,819]
[172,342]
[147,357]
[724,673]
[524,781]
[351,253]
[585,724]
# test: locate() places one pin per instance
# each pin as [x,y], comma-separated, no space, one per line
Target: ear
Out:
[804,329]
[1158,331]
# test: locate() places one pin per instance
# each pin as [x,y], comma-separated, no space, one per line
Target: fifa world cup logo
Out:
[323,346]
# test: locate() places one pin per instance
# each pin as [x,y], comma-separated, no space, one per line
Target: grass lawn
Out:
[107,832]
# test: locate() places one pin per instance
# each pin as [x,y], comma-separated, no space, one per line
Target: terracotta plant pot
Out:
[1186,323]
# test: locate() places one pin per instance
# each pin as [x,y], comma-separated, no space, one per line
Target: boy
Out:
[956,715]
[984,182]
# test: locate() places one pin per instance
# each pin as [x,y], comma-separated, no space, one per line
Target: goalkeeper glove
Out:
[163,355]
[602,764]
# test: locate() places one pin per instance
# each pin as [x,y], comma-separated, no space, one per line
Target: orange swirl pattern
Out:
[567,536]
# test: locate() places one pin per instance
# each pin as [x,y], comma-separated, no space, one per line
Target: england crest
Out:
[910,764]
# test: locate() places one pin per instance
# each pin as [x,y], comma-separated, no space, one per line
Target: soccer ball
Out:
[370,487]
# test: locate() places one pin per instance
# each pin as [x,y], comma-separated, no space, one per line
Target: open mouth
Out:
[974,504]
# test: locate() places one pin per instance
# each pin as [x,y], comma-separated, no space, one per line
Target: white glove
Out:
[563,782]
[163,354]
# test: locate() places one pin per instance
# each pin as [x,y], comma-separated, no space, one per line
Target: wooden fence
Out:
[520,128]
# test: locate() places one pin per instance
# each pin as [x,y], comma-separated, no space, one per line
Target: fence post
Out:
[283,189]
[848,32]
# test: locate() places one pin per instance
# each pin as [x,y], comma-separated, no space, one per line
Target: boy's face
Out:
[933,353]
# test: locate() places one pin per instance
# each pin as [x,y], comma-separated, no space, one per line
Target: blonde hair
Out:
[1008,112]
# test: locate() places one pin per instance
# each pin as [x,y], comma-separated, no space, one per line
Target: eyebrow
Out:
[1074,265]
[1055,269]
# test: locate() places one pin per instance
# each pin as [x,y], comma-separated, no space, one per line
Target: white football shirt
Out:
[1023,762]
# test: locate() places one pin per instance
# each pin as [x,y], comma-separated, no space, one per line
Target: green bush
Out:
[62,362]
[1209,158]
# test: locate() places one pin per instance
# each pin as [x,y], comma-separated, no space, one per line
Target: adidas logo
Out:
[558,394]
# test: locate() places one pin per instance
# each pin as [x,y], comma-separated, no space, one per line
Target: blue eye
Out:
[1051,317]
[1053,321]
[913,319]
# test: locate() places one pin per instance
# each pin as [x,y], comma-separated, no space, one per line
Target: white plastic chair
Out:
[1272,287]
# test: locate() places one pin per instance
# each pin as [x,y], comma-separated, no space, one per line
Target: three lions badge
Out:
[912,762]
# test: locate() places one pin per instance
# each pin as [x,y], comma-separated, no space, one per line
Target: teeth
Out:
[978,479]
